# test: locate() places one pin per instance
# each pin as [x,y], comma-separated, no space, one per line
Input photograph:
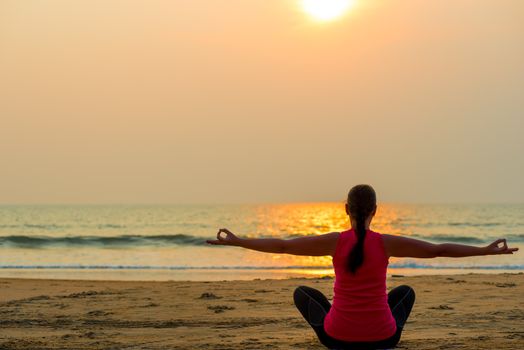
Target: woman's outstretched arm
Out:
[404,247]
[312,245]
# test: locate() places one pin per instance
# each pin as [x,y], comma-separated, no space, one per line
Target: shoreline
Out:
[463,311]
[217,274]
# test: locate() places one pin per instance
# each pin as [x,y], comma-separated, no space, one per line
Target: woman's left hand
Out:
[496,248]
[228,239]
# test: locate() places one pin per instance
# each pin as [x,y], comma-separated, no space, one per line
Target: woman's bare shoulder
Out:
[400,246]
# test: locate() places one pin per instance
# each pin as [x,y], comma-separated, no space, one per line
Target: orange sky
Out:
[107,101]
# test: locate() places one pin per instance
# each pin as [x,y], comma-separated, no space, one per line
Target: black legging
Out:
[314,306]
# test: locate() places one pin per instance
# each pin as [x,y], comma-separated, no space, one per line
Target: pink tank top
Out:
[360,310]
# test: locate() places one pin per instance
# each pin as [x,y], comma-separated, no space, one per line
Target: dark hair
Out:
[362,201]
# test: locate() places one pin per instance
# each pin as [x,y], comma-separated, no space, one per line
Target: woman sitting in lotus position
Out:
[363,315]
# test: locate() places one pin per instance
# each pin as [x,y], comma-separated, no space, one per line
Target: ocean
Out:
[167,242]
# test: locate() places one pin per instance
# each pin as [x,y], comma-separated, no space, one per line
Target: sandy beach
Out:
[472,311]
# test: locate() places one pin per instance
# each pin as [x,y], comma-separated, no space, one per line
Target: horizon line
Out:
[253,203]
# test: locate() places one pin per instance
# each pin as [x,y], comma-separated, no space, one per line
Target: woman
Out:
[362,316]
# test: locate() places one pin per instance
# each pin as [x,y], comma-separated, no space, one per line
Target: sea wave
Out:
[400,265]
[469,239]
[20,241]
[452,239]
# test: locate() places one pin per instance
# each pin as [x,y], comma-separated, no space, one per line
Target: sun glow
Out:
[326,10]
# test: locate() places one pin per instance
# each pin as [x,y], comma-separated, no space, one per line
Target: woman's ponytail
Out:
[356,256]
[361,204]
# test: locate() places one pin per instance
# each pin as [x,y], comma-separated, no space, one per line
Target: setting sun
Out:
[326,10]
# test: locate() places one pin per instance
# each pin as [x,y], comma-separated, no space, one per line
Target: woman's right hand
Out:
[495,248]
[228,239]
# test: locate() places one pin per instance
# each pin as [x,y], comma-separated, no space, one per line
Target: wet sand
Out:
[451,312]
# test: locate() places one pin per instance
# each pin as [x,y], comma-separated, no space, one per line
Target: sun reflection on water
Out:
[304,219]
[300,219]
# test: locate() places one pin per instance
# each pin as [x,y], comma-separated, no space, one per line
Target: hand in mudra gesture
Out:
[496,247]
[224,237]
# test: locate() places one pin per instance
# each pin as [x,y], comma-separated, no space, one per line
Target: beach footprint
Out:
[209,296]
[220,308]
[441,307]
